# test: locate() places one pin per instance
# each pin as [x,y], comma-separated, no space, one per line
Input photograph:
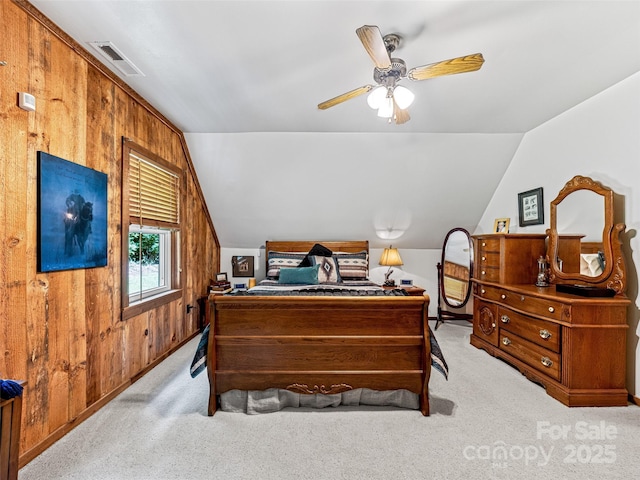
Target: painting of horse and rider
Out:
[72,215]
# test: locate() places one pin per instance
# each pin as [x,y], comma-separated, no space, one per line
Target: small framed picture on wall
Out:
[242,266]
[530,207]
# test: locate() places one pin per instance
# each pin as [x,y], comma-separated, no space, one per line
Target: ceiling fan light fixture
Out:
[388,71]
[403,96]
[376,97]
[386,108]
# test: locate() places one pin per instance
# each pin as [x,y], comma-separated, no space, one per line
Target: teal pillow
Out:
[300,275]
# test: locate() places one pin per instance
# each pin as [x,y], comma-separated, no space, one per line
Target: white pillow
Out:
[590,264]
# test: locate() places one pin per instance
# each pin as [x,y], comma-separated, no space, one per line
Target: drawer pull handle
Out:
[506,319]
[546,361]
[506,341]
[544,333]
[551,309]
[503,296]
[483,291]
[484,258]
[484,244]
[483,272]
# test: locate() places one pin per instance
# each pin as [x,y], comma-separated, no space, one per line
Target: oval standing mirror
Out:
[454,274]
[584,247]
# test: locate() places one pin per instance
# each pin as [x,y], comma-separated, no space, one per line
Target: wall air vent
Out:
[116,58]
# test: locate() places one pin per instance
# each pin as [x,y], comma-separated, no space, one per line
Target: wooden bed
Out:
[318,344]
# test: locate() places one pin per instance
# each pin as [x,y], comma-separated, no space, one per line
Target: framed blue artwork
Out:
[72,215]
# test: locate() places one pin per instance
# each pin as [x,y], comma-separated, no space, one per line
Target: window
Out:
[151,230]
[149,262]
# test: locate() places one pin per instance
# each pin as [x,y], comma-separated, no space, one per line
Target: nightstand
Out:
[412,290]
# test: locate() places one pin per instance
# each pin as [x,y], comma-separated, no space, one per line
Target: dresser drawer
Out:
[550,309]
[488,245]
[490,293]
[534,355]
[488,260]
[488,273]
[546,334]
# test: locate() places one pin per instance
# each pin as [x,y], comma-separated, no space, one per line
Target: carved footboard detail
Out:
[304,388]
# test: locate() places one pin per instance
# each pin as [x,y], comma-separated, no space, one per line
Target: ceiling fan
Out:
[390,99]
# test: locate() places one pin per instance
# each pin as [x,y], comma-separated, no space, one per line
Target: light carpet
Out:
[487,421]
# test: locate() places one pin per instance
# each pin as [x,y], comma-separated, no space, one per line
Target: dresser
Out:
[508,258]
[574,346]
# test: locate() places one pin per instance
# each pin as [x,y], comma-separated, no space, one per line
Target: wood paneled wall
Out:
[61,331]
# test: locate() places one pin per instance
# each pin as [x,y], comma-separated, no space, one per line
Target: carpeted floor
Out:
[486,422]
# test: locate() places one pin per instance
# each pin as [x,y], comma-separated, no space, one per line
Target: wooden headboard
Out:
[591,247]
[353,246]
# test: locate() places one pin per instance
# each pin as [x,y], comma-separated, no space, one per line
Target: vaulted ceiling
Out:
[243,79]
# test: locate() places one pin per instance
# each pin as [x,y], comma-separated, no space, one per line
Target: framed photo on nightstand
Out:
[221,277]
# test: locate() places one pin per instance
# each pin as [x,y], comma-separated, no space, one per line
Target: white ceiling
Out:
[215,67]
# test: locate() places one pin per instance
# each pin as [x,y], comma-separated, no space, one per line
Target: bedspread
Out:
[342,289]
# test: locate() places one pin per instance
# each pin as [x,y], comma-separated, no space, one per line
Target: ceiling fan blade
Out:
[373,43]
[469,63]
[401,116]
[344,97]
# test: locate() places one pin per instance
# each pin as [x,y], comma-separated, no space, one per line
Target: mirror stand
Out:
[455,271]
[445,314]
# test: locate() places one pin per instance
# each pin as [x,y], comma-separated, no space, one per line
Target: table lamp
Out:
[391,258]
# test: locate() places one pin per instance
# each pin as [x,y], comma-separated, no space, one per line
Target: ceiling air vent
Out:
[116,58]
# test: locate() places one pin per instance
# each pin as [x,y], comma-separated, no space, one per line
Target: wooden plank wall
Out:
[61,331]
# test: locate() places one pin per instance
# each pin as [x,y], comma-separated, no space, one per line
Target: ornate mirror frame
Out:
[613,275]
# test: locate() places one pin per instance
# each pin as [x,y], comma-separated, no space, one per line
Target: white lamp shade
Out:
[376,97]
[403,96]
[386,108]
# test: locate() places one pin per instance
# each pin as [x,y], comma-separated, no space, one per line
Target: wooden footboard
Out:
[318,344]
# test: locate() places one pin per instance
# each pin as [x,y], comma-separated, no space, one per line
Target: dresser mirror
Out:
[454,274]
[584,246]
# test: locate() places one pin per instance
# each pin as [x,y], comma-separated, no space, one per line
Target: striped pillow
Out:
[278,260]
[353,266]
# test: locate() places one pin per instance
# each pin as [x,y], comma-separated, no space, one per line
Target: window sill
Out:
[150,303]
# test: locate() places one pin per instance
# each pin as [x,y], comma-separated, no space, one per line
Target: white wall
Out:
[599,138]
[299,186]
[419,265]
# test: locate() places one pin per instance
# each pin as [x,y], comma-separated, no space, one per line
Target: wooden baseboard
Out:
[634,400]
[57,434]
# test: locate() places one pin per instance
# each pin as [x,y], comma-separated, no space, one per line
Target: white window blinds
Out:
[153,193]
